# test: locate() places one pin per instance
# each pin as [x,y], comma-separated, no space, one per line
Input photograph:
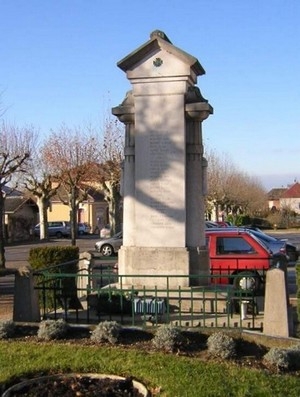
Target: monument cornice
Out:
[124,113]
[198,111]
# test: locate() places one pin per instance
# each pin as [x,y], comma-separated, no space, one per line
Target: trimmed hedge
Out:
[44,257]
[59,290]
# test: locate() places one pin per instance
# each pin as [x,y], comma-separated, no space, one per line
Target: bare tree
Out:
[16,146]
[70,154]
[39,182]
[219,171]
[110,170]
[231,190]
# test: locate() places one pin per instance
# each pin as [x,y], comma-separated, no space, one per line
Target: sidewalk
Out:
[6,307]
[6,297]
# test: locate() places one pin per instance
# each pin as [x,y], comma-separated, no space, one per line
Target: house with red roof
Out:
[290,199]
[274,197]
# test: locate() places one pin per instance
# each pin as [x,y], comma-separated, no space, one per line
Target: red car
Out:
[223,224]
[237,252]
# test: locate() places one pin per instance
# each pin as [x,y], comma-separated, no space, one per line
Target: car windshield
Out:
[264,237]
[118,235]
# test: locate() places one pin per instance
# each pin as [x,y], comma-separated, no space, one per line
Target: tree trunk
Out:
[42,203]
[2,234]
[113,199]
[73,215]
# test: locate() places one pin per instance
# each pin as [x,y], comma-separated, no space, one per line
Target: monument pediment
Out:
[159,57]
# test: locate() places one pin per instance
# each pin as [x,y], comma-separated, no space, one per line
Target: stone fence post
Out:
[26,300]
[278,318]
[84,266]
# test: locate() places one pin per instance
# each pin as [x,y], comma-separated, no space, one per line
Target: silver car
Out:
[56,229]
[110,246]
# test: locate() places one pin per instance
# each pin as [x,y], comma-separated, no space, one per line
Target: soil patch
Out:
[78,385]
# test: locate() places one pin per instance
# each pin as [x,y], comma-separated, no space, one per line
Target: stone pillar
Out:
[163,230]
[26,301]
[278,319]
[196,112]
[85,266]
[125,113]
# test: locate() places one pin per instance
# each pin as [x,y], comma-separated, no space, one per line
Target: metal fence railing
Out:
[98,293]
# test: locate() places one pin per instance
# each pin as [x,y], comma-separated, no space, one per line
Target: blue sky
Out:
[58,64]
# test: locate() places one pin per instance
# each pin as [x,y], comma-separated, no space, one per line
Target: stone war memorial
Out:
[164,173]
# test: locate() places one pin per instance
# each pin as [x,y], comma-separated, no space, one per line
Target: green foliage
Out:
[167,337]
[59,261]
[220,344]
[52,329]
[235,219]
[106,331]
[45,257]
[7,329]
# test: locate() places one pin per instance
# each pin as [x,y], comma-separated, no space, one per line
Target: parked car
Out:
[232,252]
[83,228]
[210,224]
[277,245]
[56,229]
[238,252]
[223,224]
[274,244]
[110,246]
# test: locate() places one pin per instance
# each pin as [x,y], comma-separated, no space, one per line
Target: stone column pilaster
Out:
[125,113]
[196,177]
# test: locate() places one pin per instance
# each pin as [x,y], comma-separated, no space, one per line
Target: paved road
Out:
[294,238]
[17,255]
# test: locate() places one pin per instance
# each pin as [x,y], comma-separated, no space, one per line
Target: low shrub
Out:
[46,257]
[7,329]
[53,263]
[220,344]
[52,329]
[106,331]
[167,337]
[284,359]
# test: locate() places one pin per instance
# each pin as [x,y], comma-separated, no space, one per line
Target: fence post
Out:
[84,266]
[278,319]
[26,302]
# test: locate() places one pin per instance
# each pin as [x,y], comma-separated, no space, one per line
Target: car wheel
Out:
[247,281]
[107,250]
[58,235]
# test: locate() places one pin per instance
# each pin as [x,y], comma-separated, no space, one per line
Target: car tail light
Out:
[283,250]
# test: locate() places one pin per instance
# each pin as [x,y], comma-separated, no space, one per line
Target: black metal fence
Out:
[97,293]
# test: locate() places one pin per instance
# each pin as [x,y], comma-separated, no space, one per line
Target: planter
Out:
[106,303]
[54,381]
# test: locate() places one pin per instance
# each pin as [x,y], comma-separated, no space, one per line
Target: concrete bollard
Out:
[84,266]
[26,301]
[278,319]
[244,307]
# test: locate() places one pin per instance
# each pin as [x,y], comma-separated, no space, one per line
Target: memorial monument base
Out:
[162,267]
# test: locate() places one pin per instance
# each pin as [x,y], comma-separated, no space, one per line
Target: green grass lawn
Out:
[175,376]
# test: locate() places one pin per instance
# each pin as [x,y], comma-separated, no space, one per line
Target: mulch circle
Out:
[78,385]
